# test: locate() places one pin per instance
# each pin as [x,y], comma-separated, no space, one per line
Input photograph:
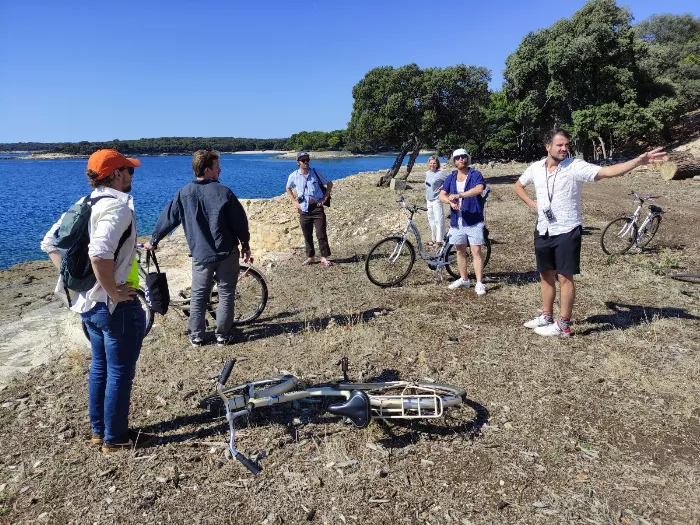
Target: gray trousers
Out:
[226,273]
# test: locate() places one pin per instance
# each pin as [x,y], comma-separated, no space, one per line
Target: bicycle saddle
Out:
[356,409]
[656,209]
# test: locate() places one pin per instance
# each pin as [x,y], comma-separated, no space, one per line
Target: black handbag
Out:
[157,293]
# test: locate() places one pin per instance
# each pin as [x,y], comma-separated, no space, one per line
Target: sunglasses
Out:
[304,160]
[129,168]
[461,157]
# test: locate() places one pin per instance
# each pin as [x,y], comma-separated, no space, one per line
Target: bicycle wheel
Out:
[451,258]
[618,236]
[647,234]
[390,261]
[409,399]
[250,299]
[693,278]
[270,386]
[147,310]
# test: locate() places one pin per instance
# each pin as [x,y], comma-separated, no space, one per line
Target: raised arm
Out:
[616,170]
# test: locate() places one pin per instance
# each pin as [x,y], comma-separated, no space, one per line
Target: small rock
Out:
[349,463]
[44,516]
[161,479]
[112,489]
[427,463]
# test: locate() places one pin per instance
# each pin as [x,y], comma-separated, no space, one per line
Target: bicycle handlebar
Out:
[226,371]
[252,467]
[645,198]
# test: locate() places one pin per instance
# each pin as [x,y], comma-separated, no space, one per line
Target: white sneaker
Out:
[460,283]
[538,321]
[480,289]
[552,330]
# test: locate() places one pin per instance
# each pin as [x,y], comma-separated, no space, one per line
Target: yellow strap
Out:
[133,278]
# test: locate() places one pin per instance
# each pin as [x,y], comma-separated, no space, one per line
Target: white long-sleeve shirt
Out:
[109,220]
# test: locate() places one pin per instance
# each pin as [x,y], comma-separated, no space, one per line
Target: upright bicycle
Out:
[357,402]
[622,233]
[390,260]
[249,301]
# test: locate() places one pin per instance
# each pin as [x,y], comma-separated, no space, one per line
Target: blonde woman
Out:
[434,178]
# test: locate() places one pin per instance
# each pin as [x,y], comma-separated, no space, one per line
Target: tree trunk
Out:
[391,173]
[412,158]
[680,169]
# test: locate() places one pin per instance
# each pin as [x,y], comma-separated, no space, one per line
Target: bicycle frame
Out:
[426,403]
[635,217]
[432,259]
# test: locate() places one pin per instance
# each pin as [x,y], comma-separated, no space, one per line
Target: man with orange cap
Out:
[110,309]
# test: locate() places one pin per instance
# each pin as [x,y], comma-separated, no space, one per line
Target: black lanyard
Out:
[546,181]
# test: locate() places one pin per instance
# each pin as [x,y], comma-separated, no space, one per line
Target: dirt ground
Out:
[601,428]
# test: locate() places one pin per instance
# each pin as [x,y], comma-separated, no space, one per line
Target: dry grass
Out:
[600,429]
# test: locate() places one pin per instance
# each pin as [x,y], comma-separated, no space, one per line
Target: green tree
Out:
[406,108]
[581,62]
[669,55]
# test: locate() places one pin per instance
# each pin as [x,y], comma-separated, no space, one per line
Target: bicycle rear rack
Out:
[413,403]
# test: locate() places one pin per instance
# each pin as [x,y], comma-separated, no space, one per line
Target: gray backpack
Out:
[72,239]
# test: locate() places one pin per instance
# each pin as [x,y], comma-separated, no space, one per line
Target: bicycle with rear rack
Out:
[359,403]
[250,298]
[620,234]
[391,259]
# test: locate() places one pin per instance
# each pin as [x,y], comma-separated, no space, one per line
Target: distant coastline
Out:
[277,154]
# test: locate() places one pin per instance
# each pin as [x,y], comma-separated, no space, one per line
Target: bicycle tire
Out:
[450,258]
[622,231]
[250,299]
[451,396]
[692,278]
[380,256]
[649,231]
[150,317]
[267,387]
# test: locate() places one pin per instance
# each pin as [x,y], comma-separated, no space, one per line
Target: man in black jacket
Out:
[214,222]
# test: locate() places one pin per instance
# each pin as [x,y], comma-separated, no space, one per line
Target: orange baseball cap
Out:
[105,161]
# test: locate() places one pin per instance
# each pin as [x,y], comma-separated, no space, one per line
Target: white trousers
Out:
[436,219]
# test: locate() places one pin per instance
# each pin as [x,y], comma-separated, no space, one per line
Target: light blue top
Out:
[433,183]
[309,186]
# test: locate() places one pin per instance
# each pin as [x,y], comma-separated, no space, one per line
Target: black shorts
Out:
[559,252]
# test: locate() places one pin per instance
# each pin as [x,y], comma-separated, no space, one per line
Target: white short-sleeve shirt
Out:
[564,184]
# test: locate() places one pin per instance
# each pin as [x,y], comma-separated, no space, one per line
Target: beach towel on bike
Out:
[157,292]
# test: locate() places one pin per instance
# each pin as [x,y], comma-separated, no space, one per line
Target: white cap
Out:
[460,151]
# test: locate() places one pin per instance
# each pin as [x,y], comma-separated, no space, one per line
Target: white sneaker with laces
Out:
[540,320]
[480,289]
[460,283]
[552,330]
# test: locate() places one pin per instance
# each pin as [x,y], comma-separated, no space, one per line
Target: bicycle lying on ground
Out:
[692,278]
[358,402]
[391,259]
[249,302]
[622,233]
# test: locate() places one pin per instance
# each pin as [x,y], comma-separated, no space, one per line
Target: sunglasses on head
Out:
[461,157]
[129,168]
[305,159]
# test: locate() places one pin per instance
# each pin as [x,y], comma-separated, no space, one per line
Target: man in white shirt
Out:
[110,309]
[558,182]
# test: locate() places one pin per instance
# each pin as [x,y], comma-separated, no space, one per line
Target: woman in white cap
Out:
[434,178]
[462,190]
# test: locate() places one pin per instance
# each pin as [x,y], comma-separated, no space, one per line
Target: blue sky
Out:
[72,71]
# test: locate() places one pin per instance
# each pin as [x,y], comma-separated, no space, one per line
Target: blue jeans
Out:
[116,344]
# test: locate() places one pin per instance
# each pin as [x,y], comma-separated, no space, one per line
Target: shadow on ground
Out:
[624,316]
